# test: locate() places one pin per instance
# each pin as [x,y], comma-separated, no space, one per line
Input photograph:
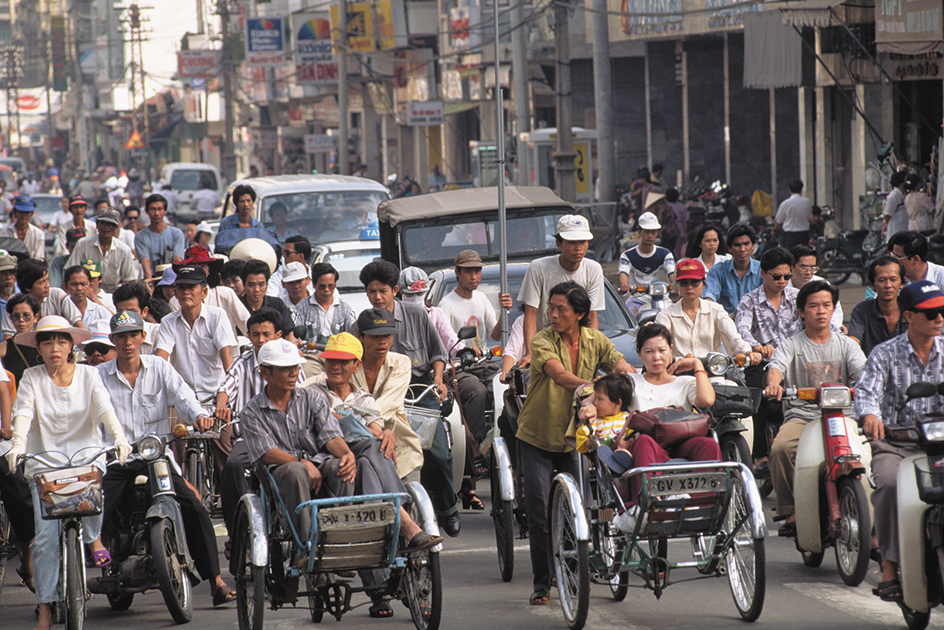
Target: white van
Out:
[186,178]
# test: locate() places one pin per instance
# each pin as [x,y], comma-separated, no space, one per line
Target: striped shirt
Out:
[891,368]
[301,432]
[243,382]
[760,324]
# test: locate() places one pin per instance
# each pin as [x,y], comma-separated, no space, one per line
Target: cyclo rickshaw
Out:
[715,505]
[356,533]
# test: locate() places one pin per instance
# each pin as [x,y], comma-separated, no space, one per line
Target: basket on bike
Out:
[731,400]
[423,421]
[68,492]
[929,472]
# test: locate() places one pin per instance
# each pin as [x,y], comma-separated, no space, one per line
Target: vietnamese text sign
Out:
[198,63]
[319,143]
[420,114]
[912,22]
[265,45]
[315,63]
[359,24]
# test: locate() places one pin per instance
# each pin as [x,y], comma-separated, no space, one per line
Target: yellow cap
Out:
[343,346]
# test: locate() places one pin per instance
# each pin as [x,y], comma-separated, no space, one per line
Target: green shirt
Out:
[547,409]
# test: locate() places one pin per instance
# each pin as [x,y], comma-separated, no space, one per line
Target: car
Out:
[186,178]
[616,322]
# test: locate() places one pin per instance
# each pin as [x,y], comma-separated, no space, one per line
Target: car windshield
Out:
[428,244]
[321,217]
[47,207]
[193,179]
[349,264]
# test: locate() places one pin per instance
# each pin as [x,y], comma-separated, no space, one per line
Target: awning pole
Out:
[500,159]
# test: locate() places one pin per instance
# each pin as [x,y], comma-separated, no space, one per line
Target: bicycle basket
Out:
[70,492]
[423,422]
[929,472]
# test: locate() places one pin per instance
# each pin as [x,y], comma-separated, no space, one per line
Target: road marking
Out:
[858,602]
[450,552]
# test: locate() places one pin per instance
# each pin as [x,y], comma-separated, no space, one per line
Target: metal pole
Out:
[500,159]
[343,159]
[519,68]
[228,157]
[564,166]
[603,102]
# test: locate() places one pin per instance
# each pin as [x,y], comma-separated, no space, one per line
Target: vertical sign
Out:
[60,81]
[265,45]
[359,26]
[315,63]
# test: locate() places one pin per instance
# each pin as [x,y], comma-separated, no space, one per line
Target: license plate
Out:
[355,516]
[660,485]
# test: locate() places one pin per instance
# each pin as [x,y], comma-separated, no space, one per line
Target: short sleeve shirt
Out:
[868,325]
[476,311]
[544,273]
[195,352]
[160,248]
[656,266]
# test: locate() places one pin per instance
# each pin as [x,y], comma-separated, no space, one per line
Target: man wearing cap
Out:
[98,348]
[794,216]
[96,293]
[324,313]
[573,239]
[77,282]
[917,355]
[646,262]
[21,229]
[296,248]
[160,243]
[244,196]
[7,279]
[136,298]
[77,206]
[220,296]
[32,276]
[141,388]
[295,281]
[118,264]
[58,264]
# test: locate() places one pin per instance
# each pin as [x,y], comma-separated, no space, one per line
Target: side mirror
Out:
[301,332]
[921,390]
[467,332]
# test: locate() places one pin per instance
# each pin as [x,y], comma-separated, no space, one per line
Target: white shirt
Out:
[794,213]
[475,311]
[93,313]
[59,219]
[226,299]
[719,258]
[126,237]
[712,328]
[896,212]
[515,346]
[544,273]
[150,338]
[35,239]
[195,352]
[275,288]
[90,229]
[679,393]
[118,266]
[204,201]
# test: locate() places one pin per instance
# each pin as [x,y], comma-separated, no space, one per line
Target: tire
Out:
[830,259]
[120,603]
[316,605]
[171,575]
[853,538]
[503,518]
[913,619]
[734,448]
[250,579]
[194,471]
[571,561]
[812,559]
[611,543]
[74,588]
[6,545]
[423,589]
[745,560]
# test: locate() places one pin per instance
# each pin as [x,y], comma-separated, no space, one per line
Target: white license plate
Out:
[355,516]
[660,485]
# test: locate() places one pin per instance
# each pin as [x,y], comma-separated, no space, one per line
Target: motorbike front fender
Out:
[166,507]
[912,541]
[259,554]
[810,460]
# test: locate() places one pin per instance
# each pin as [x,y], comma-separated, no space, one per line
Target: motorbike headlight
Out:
[933,431]
[658,289]
[835,397]
[150,447]
[717,364]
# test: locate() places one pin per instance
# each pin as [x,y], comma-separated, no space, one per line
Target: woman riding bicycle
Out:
[564,356]
[59,410]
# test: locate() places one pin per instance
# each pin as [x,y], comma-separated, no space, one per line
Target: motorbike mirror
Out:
[301,332]
[921,390]
[467,332]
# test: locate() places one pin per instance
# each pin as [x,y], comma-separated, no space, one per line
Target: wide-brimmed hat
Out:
[343,346]
[653,198]
[53,323]
[100,331]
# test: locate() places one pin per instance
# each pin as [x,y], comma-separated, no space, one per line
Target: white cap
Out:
[203,226]
[280,353]
[573,227]
[648,221]
[294,271]
[101,329]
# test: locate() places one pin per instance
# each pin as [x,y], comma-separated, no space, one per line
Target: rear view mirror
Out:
[921,390]
[467,332]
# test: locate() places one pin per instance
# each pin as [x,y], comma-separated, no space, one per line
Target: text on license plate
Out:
[355,516]
[677,484]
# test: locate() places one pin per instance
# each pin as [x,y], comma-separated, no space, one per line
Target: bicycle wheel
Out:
[853,539]
[423,589]
[833,264]
[504,520]
[6,544]
[73,590]
[571,561]
[171,575]
[250,579]
[193,472]
[745,560]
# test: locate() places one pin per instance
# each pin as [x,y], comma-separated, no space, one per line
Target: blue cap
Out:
[920,295]
[168,278]
[24,203]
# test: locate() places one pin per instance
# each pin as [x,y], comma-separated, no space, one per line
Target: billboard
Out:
[912,27]
[265,42]
[198,63]
[315,63]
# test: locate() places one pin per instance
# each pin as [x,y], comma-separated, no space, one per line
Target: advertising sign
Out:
[57,44]
[198,63]
[359,24]
[908,26]
[424,114]
[319,143]
[265,44]
[315,63]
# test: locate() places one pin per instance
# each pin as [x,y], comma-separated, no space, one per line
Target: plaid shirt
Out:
[891,368]
[339,318]
[760,324]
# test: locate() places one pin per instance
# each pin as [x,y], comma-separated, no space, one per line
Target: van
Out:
[186,178]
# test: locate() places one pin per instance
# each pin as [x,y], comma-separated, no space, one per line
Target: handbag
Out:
[353,429]
[669,426]
[68,492]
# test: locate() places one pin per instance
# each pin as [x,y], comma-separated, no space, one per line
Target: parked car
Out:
[186,178]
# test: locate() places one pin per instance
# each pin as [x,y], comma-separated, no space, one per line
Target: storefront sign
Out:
[265,44]
[911,69]
[198,63]
[644,19]
[315,63]
[424,114]
[908,26]
[319,143]
[359,25]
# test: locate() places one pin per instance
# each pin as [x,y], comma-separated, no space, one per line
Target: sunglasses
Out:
[97,348]
[689,283]
[932,313]
[326,287]
[781,276]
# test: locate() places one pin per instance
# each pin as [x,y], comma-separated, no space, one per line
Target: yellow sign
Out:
[135,141]
[359,24]
[582,162]
[385,27]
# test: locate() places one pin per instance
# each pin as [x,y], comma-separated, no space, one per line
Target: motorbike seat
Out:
[856,234]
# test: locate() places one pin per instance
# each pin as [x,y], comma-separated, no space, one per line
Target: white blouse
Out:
[679,393]
[719,258]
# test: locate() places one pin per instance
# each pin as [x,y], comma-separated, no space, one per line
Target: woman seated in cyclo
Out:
[59,410]
[564,356]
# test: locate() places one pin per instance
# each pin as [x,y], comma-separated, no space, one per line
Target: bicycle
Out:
[200,465]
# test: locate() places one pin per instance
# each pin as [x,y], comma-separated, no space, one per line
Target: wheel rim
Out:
[245,584]
[741,558]
[847,544]
[419,588]
[498,516]
[566,555]
[180,583]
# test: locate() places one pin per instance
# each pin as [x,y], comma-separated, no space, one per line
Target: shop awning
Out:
[914,27]
[773,52]
[458,107]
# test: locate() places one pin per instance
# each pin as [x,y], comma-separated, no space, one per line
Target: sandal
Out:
[421,541]
[381,609]
[471,501]
[27,580]
[788,530]
[480,467]
[540,598]
[889,591]
[101,558]
[223,595]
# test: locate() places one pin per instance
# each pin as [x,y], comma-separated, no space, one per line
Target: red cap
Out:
[690,269]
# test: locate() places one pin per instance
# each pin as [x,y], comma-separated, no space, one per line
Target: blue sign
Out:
[371,232]
[264,35]
[198,85]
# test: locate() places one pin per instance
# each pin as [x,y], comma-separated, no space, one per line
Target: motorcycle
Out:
[829,488]
[149,545]
[850,252]
[735,405]
[645,301]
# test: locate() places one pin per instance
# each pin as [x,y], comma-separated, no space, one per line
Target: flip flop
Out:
[101,558]
[223,595]
[421,541]
[888,591]
[28,581]
[381,610]
[540,598]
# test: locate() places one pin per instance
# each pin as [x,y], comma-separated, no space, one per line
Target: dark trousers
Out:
[473,394]
[538,468]
[770,412]
[201,538]
[18,501]
[436,474]
[795,238]
[233,482]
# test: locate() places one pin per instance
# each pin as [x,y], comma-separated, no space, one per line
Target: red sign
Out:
[27,102]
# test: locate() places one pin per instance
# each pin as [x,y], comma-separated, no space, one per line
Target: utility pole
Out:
[138,93]
[522,96]
[564,168]
[12,58]
[228,154]
[603,102]
[343,158]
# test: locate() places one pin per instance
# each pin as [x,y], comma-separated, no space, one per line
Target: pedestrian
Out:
[918,205]
[160,243]
[894,212]
[77,207]
[244,198]
[34,239]
[794,216]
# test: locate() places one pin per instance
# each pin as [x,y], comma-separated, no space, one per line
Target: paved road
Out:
[476,598]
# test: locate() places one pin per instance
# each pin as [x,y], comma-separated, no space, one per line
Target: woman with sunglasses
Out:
[700,326]
[23,309]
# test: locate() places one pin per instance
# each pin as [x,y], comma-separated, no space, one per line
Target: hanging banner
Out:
[265,44]
[911,27]
[359,26]
[57,45]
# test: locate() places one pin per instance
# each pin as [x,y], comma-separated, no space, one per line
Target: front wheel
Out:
[171,574]
[745,560]
[571,561]
[734,448]
[853,540]
[250,579]
[120,603]
[423,589]
[812,559]
[504,519]
[913,619]
[6,544]
[828,263]
[74,588]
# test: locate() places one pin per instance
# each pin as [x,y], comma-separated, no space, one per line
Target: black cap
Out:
[188,274]
[376,322]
